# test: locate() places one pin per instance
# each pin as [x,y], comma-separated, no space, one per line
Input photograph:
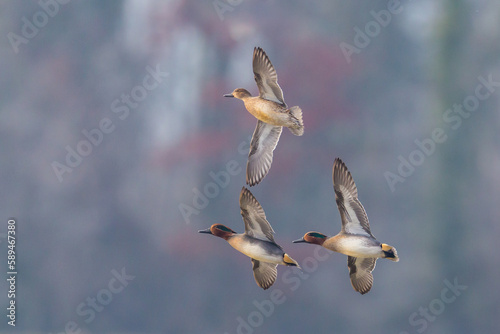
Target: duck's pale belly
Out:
[354,246]
[262,252]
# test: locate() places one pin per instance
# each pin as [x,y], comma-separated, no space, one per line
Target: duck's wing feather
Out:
[360,272]
[352,213]
[256,224]
[264,273]
[266,77]
[264,141]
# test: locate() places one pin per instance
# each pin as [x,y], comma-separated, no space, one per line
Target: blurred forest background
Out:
[129,202]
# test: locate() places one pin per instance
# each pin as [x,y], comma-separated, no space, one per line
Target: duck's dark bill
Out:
[205,231]
[228,95]
[300,240]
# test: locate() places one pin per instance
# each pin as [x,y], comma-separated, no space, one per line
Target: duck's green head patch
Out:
[316,235]
[224,228]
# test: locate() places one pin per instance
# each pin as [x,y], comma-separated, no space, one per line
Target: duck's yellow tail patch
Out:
[386,247]
[390,252]
[289,261]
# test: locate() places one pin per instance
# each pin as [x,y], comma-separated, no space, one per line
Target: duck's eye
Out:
[316,235]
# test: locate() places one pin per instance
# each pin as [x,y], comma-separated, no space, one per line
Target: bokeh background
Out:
[130,204]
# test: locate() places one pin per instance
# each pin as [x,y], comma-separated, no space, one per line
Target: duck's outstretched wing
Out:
[352,213]
[256,224]
[266,77]
[360,272]
[264,273]
[264,141]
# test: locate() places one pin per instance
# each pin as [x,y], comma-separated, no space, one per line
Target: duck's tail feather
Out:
[289,261]
[390,252]
[298,128]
